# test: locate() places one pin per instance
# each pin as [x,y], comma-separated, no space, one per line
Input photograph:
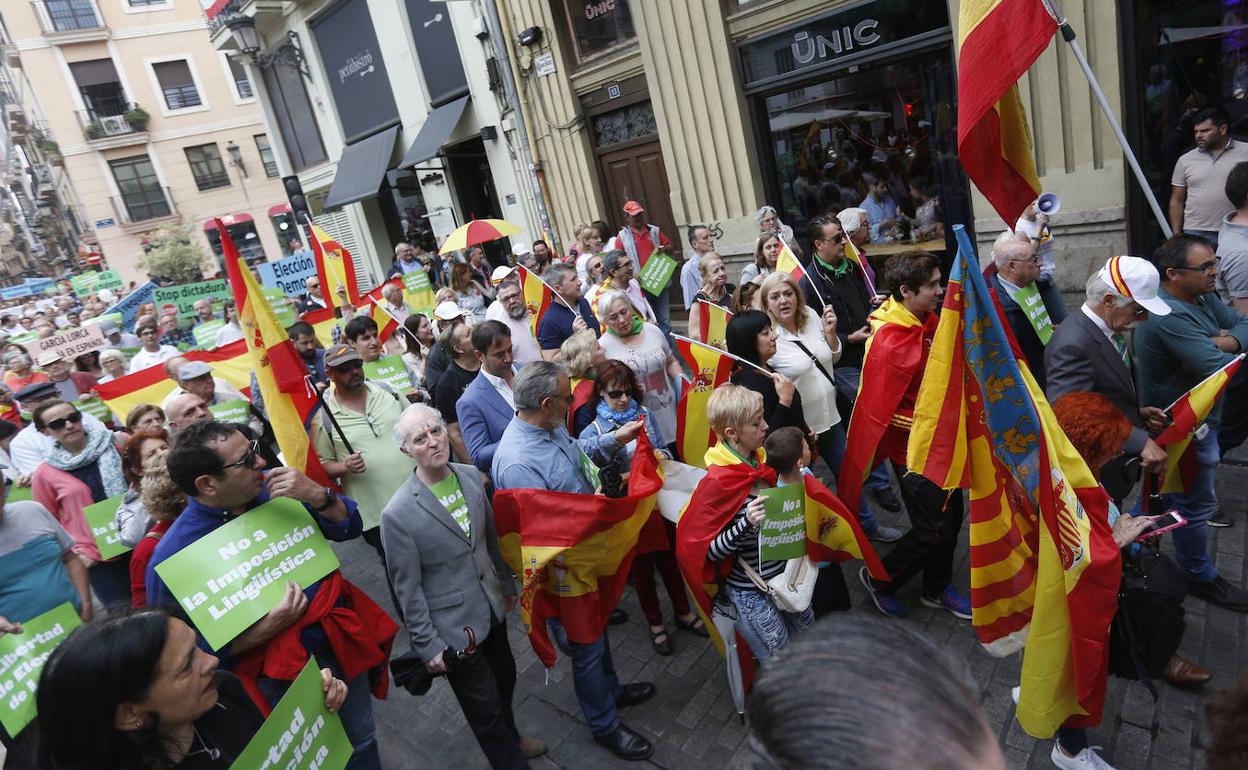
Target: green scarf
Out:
[837,271]
[634,329]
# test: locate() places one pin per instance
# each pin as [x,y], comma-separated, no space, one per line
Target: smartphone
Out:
[1161,524]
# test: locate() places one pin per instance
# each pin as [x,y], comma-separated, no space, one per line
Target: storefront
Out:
[867,91]
[242,229]
[1179,56]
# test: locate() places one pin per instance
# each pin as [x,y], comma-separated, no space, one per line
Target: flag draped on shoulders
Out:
[1186,415]
[896,354]
[573,552]
[1044,567]
[998,40]
[711,368]
[278,367]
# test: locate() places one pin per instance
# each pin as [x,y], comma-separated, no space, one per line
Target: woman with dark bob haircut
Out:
[751,336]
[133,692]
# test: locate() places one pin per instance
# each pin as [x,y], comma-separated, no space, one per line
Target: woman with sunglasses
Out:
[83,468]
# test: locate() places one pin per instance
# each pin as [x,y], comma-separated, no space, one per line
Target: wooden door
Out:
[634,171]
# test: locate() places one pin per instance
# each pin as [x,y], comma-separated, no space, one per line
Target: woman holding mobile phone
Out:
[1098,430]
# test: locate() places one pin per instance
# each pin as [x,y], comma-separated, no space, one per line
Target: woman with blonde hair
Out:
[582,355]
[587,245]
[766,255]
[715,290]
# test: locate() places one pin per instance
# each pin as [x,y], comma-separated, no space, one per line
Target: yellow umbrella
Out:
[478,231]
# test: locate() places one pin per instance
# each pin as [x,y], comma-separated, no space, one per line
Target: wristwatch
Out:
[330,497]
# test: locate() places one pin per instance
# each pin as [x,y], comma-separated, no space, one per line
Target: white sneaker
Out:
[1014,691]
[1087,759]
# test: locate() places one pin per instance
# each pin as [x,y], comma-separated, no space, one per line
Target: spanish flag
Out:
[231,363]
[573,552]
[387,324]
[712,325]
[787,262]
[537,295]
[334,267]
[868,273]
[833,533]
[711,368]
[1044,567]
[1186,415]
[323,321]
[278,368]
[998,40]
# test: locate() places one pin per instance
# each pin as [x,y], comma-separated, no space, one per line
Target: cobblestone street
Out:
[692,723]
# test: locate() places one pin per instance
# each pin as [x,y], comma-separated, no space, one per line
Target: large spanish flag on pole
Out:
[279,369]
[1044,567]
[1187,414]
[573,552]
[231,363]
[334,267]
[711,368]
[998,40]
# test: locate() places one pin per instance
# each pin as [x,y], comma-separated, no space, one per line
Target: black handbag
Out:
[1149,624]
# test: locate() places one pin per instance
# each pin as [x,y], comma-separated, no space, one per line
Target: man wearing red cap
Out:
[640,239]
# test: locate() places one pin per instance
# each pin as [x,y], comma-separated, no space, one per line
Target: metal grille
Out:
[632,122]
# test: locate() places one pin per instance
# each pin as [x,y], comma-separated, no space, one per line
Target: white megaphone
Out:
[1048,204]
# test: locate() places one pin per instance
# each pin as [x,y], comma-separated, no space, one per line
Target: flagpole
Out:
[320,397]
[553,293]
[725,353]
[1068,34]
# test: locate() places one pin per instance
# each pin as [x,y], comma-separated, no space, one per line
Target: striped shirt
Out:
[740,539]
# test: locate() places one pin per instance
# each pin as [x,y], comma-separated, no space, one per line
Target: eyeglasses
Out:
[1207,267]
[617,393]
[61,422]
[422,439]
[248,460]
[1032,260]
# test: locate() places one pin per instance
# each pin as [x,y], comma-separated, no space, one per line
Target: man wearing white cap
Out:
[1175,353]
[71,386]
[439,359]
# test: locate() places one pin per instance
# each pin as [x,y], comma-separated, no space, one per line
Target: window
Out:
[71,14]
[206,165]
[242,84]
[100,89]
[142,195]
[599,26]
[176,84]
[145,3]
[266,155]
[292,111]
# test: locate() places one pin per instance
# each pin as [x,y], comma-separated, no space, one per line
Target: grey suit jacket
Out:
[1080,358]
[444,581]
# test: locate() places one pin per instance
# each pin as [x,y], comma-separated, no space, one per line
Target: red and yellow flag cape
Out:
[573,552]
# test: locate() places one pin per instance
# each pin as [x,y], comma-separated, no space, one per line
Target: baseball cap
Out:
[108,326]
[1136,278]
[447,311]
[36,391]
[341,354]
[50,357]
[500,274]
[520,249]
[633,207]
[190,371]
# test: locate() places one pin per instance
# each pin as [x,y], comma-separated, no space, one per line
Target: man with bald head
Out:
[183,410]
[1032,318]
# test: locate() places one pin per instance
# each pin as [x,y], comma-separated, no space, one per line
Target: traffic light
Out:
[298,203]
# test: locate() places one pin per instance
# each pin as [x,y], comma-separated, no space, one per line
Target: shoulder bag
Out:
[792,589]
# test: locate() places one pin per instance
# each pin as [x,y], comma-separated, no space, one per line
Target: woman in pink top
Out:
[83,468]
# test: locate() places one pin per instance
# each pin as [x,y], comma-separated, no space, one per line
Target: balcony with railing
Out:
[113,125]
[70,21]
[144,207]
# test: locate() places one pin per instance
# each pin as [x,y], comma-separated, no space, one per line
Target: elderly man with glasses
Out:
[1032,315]
[224,477]
[1174,353]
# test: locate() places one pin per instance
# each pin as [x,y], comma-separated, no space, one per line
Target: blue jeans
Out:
[763,626]
[356,713]
[831,444]
[593,678]
[1197,504]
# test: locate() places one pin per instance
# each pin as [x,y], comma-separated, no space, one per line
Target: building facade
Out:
[154,126]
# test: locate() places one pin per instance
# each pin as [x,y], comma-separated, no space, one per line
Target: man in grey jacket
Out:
[448,575]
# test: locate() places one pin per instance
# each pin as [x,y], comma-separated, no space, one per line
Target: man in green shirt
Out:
[373,467]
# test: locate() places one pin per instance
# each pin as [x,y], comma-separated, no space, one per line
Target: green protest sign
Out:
[96,408]
[21,660]
[417,292]
[783,534]
[589,470]
[184,296]
[1029,299]
[657,272]
[17,494]
[102,518]
[233,576]
[280,303]
[390,370]
[25,338]
[237,412]
[300,733]
[85,284]
[206,333]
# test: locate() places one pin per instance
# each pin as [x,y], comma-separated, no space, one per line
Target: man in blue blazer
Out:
[486,407]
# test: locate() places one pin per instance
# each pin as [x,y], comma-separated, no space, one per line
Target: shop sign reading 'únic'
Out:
[821,41]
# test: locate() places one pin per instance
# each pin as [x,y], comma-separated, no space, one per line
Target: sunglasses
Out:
[617,393]
[61,422]
[248,460]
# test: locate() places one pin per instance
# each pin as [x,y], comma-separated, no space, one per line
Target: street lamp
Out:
[243,29]
[236,157]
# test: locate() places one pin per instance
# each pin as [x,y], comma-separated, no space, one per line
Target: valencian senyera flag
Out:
[1044,568]
[711,368]
[712,323]
[998,40]
[1186,415]
[573,552]
[537,295]
[231,363]
[278,368]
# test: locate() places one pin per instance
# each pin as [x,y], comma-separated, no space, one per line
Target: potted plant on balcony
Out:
[94,129]
[137,117]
